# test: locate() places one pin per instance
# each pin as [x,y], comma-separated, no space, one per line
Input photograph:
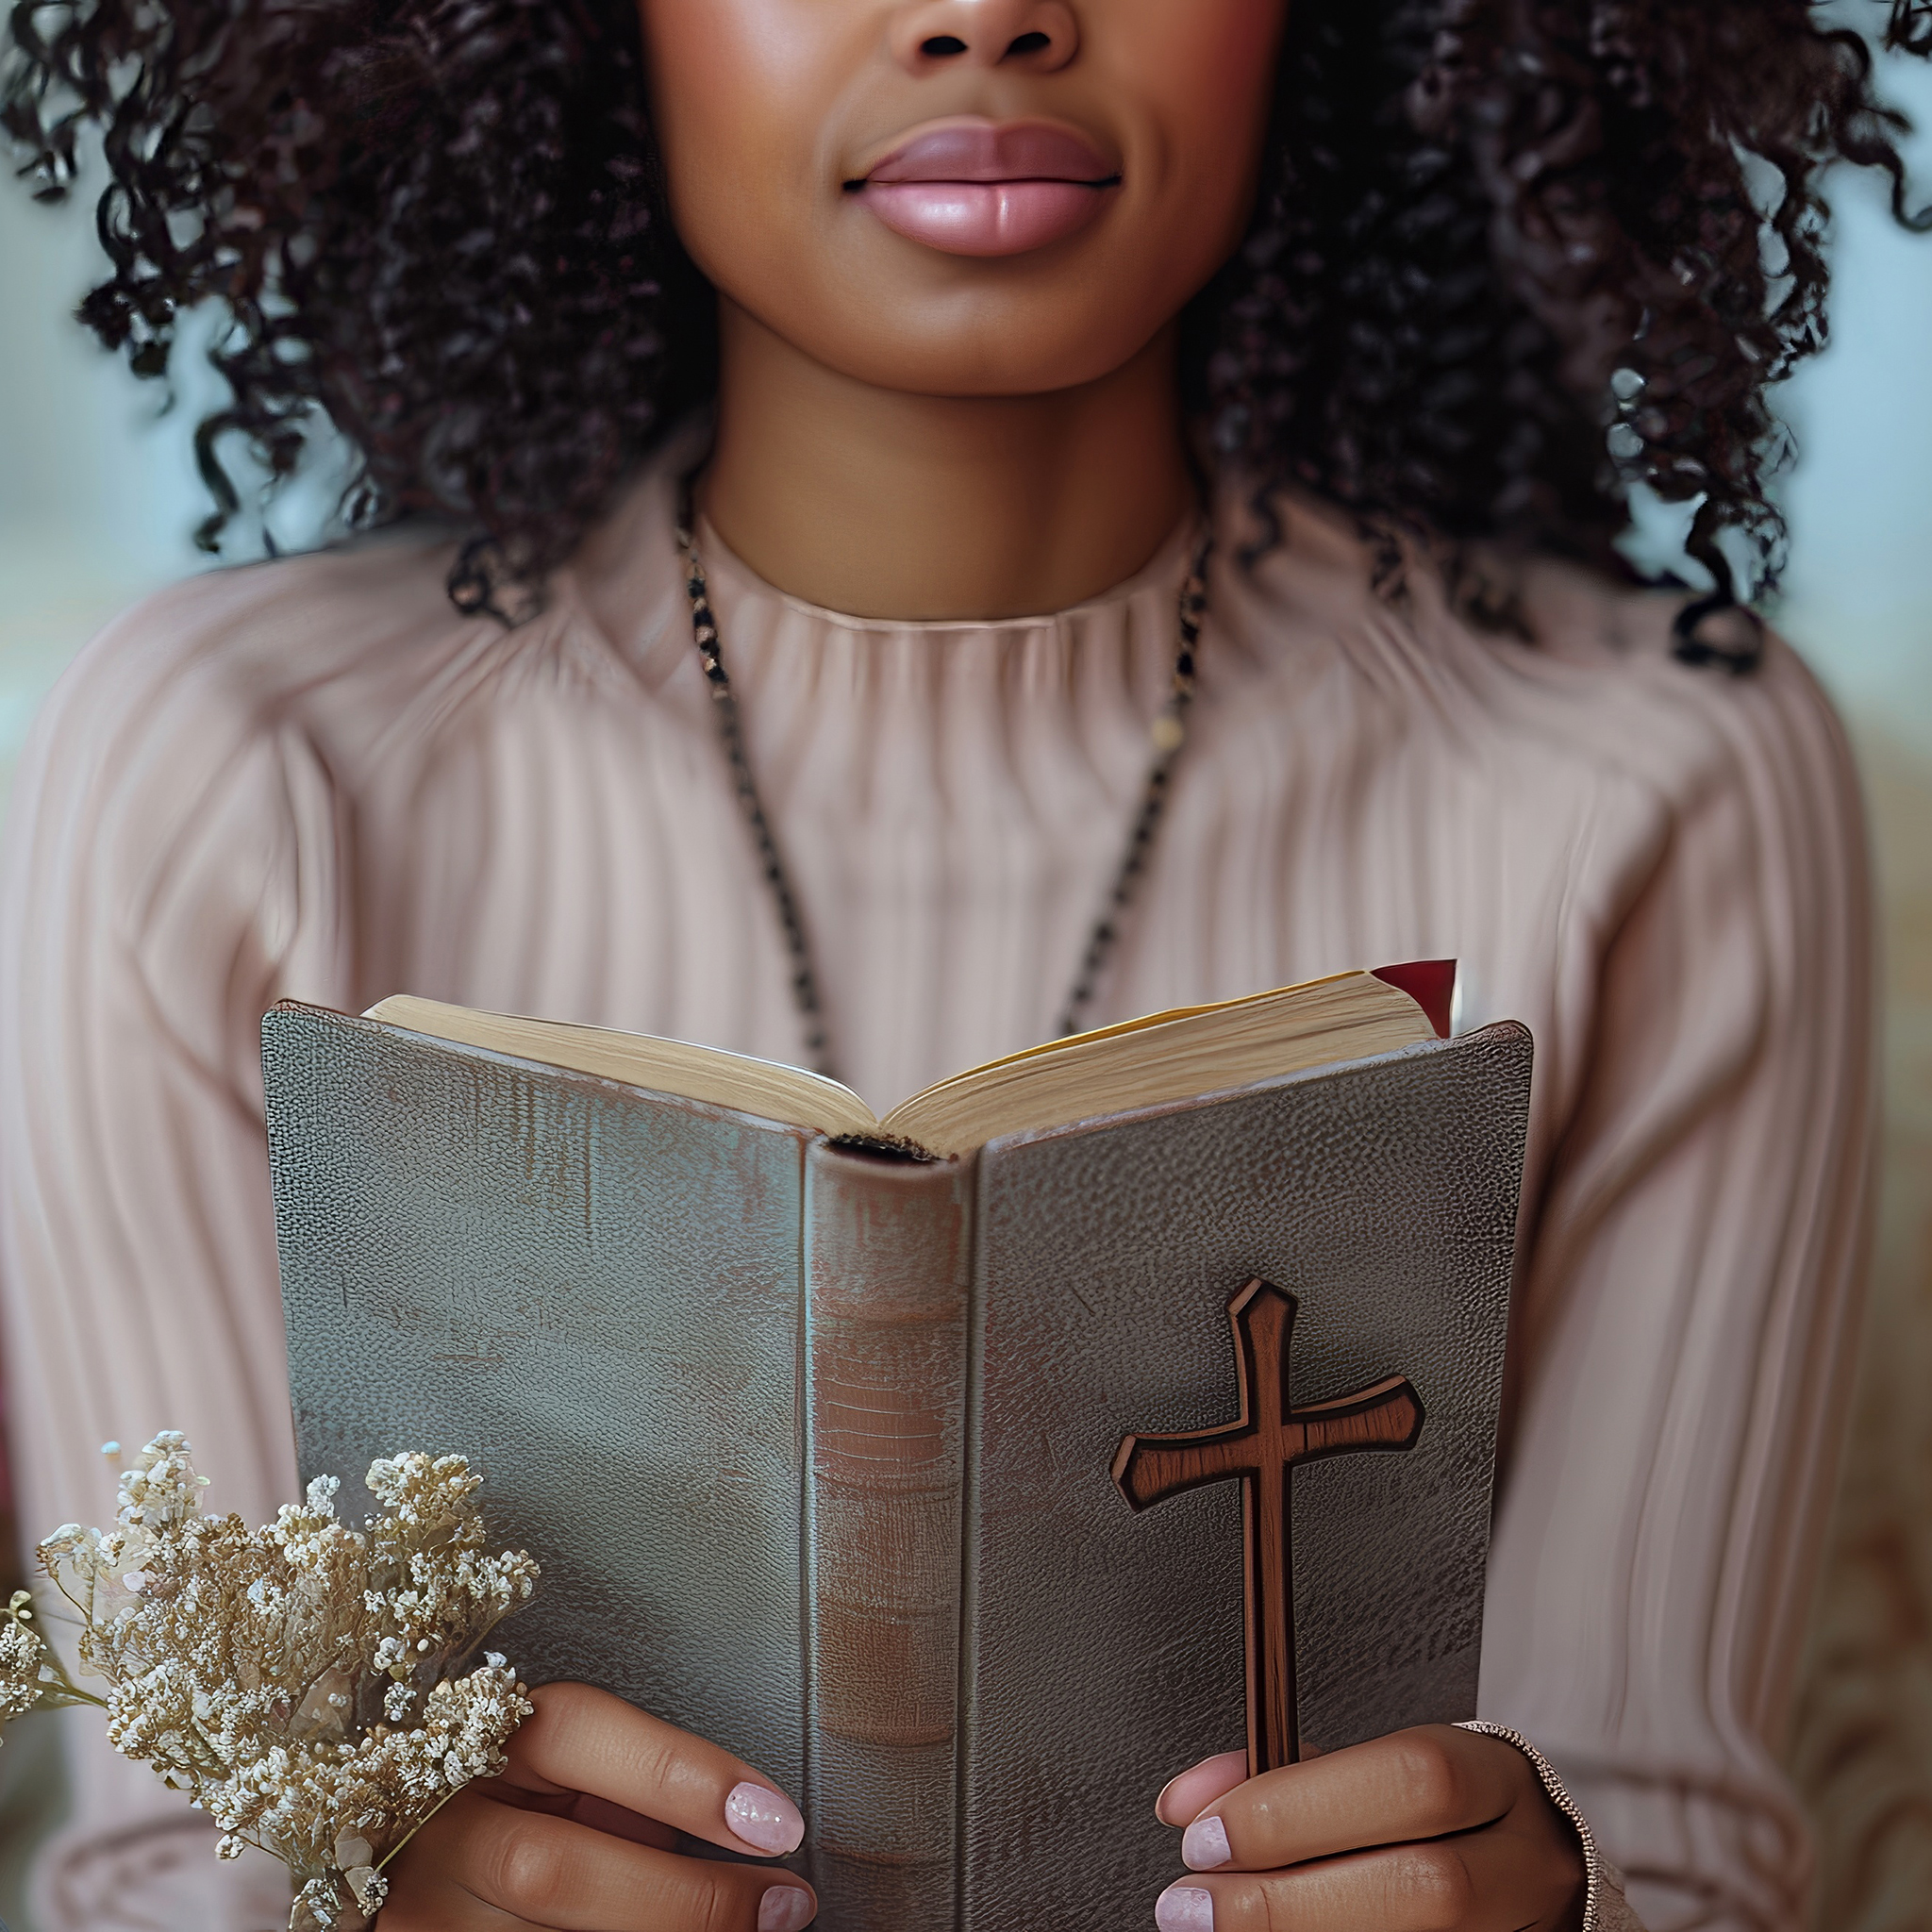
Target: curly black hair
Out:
[1510,256]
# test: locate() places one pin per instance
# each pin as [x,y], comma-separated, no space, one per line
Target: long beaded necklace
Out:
[1168,734]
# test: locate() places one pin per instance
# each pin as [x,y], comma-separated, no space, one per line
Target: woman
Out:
[934,297]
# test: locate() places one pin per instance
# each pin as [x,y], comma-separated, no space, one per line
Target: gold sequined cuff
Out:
[1605,1908]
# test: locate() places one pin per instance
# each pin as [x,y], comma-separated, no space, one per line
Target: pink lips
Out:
[974,187]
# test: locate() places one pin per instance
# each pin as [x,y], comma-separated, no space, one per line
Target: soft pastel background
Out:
[98,496]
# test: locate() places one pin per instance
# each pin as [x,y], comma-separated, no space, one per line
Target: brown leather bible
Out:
[973,1470]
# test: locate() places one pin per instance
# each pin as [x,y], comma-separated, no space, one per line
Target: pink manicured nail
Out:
[785,1907]
[768,1819]
[1205,1846]
[1185,1909]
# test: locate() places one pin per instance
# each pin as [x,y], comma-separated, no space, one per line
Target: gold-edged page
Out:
[1166,1057]
[707,1074]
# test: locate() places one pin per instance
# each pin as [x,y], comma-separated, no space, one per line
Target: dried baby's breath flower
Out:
[304,1683]
[31,1677]
[22,1655]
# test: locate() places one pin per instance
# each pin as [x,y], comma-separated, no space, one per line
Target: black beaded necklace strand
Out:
[1168,734]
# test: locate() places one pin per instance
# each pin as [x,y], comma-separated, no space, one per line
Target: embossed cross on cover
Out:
[816,1444]
[1262,1446]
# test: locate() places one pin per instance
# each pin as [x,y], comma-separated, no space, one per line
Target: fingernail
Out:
[1205,1846]
[1200,1786]
[785,1907]
[1185,1909]
[768,1819]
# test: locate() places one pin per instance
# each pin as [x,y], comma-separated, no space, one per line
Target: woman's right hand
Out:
[579,1834]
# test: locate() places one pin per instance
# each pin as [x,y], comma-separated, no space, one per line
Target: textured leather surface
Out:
[646,1319]
[1106,1645]
[889,1270]
[594,1295]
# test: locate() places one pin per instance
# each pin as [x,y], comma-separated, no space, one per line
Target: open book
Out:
[1171,1055]
[1151,1411]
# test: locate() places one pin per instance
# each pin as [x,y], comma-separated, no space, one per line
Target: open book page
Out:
[1164,1056]
[765,1087]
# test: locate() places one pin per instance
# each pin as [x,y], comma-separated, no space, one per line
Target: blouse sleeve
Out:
[170,870]
[1689,1316]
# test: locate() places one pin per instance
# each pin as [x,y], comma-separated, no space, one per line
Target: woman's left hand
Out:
[1429,1830]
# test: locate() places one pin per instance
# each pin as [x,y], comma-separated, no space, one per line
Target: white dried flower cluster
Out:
[23,1661]
[300,1681]
[31,1677]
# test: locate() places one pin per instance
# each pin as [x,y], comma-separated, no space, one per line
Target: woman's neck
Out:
[886,504]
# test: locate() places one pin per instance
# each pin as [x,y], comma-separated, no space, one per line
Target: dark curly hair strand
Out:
[1511,256]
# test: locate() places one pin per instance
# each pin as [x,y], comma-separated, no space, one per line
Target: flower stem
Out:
[415,1828]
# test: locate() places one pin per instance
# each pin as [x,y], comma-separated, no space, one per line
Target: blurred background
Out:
[99,498]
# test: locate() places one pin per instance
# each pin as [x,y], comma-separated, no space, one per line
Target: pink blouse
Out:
[313,778]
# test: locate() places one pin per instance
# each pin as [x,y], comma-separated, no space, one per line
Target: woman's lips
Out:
[976,187]
[985,217]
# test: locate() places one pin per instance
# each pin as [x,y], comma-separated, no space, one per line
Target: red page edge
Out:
[1430,983]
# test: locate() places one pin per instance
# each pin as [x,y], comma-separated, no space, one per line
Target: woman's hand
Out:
[1430,1830]
[579,1834]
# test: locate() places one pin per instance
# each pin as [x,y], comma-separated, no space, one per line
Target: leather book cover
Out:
[1105,1644]
[888,1286]
[833,1458]
[597,1297]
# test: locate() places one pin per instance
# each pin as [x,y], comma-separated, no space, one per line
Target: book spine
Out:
[888,1275]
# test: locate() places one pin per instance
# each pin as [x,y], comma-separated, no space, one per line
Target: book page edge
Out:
[1420,1049]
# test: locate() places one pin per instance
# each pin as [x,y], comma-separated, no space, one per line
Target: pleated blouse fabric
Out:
[313,780]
